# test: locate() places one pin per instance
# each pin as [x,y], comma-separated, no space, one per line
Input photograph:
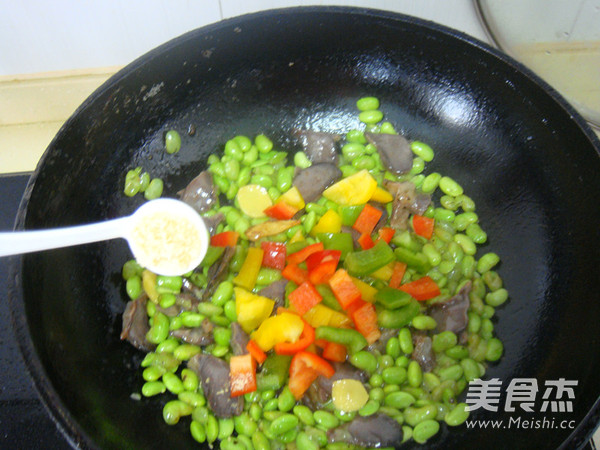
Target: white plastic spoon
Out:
[165,236]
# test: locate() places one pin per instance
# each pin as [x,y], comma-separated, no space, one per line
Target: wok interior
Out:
[530,169]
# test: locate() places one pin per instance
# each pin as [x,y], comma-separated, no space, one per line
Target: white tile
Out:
[41,36]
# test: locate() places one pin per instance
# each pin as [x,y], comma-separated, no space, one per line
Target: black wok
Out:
[524,155]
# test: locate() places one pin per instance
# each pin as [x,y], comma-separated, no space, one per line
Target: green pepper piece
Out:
[337,241]
[329,299]
[365,262]
[398,318]
[274,372]
[349,214]
[352,339]
[212,254]
[417,261]
[392,298]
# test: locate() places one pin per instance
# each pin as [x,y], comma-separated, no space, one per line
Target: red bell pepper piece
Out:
[343,288]
[365,321]
[304,369]
[423,226]
[397,274]
[242,374]
[281,211]
[294,273]
[225,239]
[334,352]
[322,265]
[365,241]
[256,352]
[421,289]
[301,255]
[386,233]
[274,254]
[367,219]
[304,297]
[291,348]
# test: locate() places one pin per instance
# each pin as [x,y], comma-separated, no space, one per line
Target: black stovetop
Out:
[24,421]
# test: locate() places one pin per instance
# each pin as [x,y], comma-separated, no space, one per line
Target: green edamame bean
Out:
[154,189]
[457,416]
[209,309]
[402,361]
[133,287]
[197,432]
[467,266]
[487,329]
[232,169]
[470,369]
[152,388]
[492,280]
[352,150]
[364,360]
[414,374]
[371,116]
[305,414]
[392,347]
[167,300]
[430,184]
[370,408]
[462,221]
[363,162]
[167,346]
[451,373]
[399,399]
[229,310]
[173,383]
[431,380]
[495,348]
[449,202]
[325,419]
[423,322]
[284,180]
[450,187]
[131,269]
[387,128]
[443,341]
[223,293]
[457,352]
[385,361]
[487,262]
[283,424]
[191,320]
[192,398]
[190,380]
[222,336]
[260,441]
[347,170]
[286,400]
[304,442]
[263,143]
[425,431]
[186,351]
[233,150]
[405,341]
[413,416]
[377,393]
[497,297]
[153,373]
[474,323]
[476,234]
[212,428]
[465,243]
[389,388]
[417,180]
[249,158]
[271,405]
[159,329]
[367,103]
[310,220]
[443,214]
[394,375]
[174,410]
[417,167]
[422,150]
[219,350]
[226,427]
[356,136]
[433,256]
[301,160]
[244,424]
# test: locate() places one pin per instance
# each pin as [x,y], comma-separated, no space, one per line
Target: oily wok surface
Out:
[520,152]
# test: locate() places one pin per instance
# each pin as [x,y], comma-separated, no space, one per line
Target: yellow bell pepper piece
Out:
[384,273]
[293,198]
[381,195]
[249,271]
[253,200]
[251,309]
[331,222]
[367,291]
[149,285]
[357,189]
[340,320]
[284,327]
[297,237]
[319,316]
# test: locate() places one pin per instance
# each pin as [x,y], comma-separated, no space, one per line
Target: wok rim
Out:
[60,415]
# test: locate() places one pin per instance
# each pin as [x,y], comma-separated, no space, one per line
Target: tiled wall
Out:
[41,36]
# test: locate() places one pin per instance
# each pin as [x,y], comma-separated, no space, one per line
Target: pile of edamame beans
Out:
[419,401]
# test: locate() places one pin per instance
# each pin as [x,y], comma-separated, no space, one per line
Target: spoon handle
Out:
[14,243]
